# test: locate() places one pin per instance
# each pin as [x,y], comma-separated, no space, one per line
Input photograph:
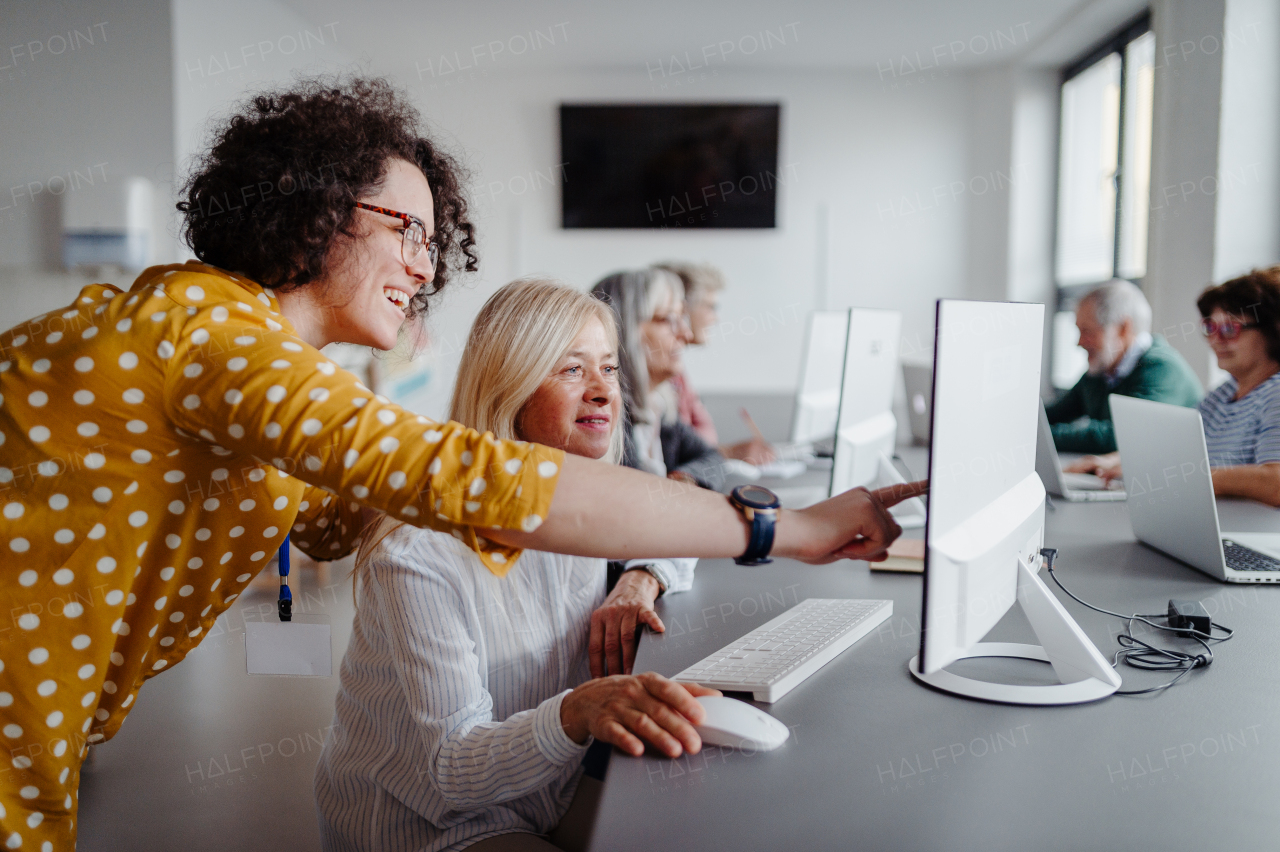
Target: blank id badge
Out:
[302,647]
[297,645]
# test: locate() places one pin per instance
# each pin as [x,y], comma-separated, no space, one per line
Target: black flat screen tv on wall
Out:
[669,165]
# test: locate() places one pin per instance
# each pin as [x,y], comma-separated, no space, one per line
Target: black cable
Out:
[1141,655]
[900,460]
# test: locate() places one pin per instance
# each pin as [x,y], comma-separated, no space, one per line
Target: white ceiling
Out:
[809,34]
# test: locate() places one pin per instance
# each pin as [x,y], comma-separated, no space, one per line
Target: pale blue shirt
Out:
[1242,431]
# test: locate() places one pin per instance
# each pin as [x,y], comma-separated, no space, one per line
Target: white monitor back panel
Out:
[866,428]
[986,503]
[986,402]
[818,393]
[870,366]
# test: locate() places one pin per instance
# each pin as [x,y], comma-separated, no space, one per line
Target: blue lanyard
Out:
[285,604]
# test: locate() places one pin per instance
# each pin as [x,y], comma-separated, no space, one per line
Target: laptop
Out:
[1073,487]
[1171,502]
[917,379]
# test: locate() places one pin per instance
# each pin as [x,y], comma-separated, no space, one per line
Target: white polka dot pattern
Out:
[181,361]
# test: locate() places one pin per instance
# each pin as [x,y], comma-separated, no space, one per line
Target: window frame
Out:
[1068,296]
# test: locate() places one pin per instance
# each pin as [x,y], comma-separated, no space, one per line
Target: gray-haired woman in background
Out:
[652,332]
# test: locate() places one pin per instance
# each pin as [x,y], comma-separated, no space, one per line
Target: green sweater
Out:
[1161,374]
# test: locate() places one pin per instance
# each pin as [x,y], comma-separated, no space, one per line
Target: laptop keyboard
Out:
[1241,558]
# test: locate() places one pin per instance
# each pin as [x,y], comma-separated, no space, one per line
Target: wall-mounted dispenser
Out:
[109,224]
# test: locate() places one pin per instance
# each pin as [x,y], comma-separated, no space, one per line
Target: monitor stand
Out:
[1084,672]
[909,513]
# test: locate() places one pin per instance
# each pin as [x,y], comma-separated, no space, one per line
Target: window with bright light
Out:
[1104,171]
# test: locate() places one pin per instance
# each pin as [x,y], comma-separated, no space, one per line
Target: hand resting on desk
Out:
[1105,467]
[612,643]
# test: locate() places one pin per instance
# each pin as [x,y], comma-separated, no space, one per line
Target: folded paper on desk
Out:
[740,469]
[800,496]
[783,468]
[297,648]
[905,555]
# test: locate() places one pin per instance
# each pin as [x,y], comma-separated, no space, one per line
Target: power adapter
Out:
[1189,615]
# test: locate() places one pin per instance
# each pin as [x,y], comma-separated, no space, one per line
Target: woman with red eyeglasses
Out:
[1241,321]
[157,444]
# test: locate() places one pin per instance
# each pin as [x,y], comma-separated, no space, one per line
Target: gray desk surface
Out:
[877,761]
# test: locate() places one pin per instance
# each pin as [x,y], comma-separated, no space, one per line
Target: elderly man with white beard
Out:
[1124,358]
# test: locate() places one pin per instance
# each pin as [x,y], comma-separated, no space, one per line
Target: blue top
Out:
[1244,431]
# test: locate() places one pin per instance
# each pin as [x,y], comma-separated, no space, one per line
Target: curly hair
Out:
[1254,297]
[275,192]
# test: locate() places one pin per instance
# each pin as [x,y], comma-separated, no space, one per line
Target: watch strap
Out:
[761,540]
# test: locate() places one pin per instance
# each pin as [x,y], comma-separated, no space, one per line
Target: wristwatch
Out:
[760,507]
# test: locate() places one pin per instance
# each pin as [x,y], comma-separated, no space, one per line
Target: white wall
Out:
[893,193]
[868,213]
[1184,157]
[1215,182]
[1248,221]
[87,101]
[1034,164]
[869,209]
[224,50]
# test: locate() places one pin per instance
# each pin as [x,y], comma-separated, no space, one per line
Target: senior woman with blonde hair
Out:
[466,704]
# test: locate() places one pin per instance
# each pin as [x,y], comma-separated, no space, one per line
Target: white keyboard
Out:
[777,656]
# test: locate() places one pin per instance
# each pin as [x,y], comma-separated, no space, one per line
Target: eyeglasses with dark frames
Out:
[414,235]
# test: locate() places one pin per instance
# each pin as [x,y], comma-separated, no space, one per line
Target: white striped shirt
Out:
[447,725]
[1244,431]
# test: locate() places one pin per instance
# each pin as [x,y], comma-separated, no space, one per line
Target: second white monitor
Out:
[818,395]
[866,429]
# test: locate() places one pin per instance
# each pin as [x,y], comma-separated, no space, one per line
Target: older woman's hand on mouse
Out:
[629,711]
[612,646]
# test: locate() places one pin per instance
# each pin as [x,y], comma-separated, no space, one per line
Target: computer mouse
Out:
[737,724]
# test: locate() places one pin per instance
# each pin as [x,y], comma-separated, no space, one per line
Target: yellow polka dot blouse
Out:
[156,446]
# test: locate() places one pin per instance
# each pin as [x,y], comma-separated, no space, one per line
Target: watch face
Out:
[757,497]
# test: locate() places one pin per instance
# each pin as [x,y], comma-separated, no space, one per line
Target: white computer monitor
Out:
[866,429]
[985,525]
[818,392]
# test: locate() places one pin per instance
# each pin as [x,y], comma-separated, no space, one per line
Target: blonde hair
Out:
[517,339]
[700,279]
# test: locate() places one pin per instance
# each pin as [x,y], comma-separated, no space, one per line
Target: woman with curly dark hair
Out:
[203,424]
[1241,319]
